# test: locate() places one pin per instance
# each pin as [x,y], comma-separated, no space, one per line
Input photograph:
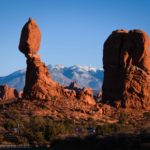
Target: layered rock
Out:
[127,69]
[7,93]
[38,83]
[85,94]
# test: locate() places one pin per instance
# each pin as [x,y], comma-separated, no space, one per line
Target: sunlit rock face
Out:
[126,62]
[38,84]
[30,38]
[7,93]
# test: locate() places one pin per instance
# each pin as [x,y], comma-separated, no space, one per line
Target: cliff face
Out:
[127,69]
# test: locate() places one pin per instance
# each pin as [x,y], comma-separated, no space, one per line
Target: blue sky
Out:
[73,31]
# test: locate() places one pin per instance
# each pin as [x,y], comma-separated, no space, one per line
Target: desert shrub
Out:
[48,133]
[53,129]
[105,129]
[33,135]
[1,139]
[91,122]
[100,104]
[108,129]
[69,126]
[53,98]
[37,123]
[145,131]
[38,129]
[147,115]
[22,140]
[29,134]
[43,107]
[9,124]
[123,117]
[1,104]
[40,137]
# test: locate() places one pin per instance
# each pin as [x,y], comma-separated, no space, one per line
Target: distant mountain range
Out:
[85,76]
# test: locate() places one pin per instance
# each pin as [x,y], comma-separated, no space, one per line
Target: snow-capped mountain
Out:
[85,76]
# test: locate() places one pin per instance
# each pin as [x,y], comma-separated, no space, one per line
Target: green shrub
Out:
[29,134]
[105,129]
[100,104]
[38,129]
[9,124]
[37,123]
[147,115]
[40,137]
[109,129]
[123,118]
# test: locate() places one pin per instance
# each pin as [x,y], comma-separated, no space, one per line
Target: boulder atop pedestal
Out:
[38,83]
[30,38]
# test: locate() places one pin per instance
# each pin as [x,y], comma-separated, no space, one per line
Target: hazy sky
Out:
[73,31]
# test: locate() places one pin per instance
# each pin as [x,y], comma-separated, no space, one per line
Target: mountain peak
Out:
[86,76]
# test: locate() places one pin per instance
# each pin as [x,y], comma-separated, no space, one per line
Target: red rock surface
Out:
[127,69]
[7,93]
[111,64]
[30,38]
[38,84]
[85,94]
[88,96]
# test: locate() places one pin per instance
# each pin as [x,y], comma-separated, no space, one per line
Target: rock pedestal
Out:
[38,83]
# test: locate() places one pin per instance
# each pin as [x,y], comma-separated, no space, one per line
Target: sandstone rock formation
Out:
[126,62]
[38,84]
[7,93]
[85,94]
[30,38]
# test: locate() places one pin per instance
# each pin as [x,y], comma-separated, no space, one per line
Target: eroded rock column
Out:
[38,83]
[127,69]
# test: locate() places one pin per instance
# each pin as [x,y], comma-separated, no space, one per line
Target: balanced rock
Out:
[7,93]
[38,83]
[127,69]
[30,38]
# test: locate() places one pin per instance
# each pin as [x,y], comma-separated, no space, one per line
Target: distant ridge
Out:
[84,76]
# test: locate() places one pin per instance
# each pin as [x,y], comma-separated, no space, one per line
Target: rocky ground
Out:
[26,120]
